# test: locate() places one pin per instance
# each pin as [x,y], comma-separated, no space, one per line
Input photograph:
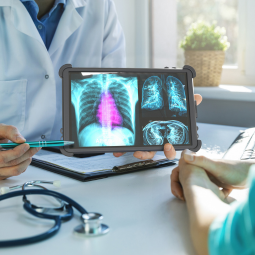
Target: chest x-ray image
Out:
[153,95]
[105,110]
[176,96]
[175,132]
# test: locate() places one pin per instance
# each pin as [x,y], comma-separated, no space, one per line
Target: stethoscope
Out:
[91,226]
[57,184]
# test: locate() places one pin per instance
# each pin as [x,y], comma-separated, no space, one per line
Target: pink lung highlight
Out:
[107,113]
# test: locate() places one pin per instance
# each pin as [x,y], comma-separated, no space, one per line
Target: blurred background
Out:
[154,29]
[224,12]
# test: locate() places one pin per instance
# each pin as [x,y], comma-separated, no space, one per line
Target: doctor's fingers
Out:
[30,153]
[138,154]
[144,155]
[176,187]
[15,156]
[118,154]
[11,133]
[198,98]
[6,172]
[169,151]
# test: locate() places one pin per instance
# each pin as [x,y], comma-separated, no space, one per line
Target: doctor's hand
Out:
[169,150]
[226,174]
[15,161]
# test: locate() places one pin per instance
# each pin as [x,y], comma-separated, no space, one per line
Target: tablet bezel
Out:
[66,97]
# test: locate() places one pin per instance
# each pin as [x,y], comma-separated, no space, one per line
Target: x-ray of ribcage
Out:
[176,96]
[105,110]
[174,131]
[152,98]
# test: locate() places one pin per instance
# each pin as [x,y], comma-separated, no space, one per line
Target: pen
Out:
[37,144]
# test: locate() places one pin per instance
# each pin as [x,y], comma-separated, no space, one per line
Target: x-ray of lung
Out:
[152,98]
[176,96]
[105,110]
[175,132]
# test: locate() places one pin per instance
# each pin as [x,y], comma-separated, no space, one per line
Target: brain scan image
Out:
[176,96]
[105,110]
[175,132]
[152,98]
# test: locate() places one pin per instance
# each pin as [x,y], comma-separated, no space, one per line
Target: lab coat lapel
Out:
[68,24]
[21,19]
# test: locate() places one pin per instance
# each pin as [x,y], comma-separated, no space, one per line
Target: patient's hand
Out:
[191,176]
[224,173]
[169,150]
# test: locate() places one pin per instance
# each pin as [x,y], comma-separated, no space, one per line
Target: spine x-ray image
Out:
[105,110]
[174,131]
[152,95]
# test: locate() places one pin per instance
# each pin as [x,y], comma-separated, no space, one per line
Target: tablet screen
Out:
[129,109]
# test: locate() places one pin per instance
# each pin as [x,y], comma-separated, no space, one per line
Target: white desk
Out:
[143,215]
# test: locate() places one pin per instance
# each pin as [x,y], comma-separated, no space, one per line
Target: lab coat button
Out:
[47,76]
[42,136]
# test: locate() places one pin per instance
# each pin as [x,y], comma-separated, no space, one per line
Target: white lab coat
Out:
[88,35]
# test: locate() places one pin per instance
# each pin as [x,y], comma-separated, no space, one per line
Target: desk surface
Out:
[143,215]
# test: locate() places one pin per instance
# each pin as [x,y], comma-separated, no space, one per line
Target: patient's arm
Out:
[204,203]
[228,173]
[203,207]
[224,173]
[217,228]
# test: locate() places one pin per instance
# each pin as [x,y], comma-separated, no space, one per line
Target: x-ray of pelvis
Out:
[152,95]
[105,110]
[174,131]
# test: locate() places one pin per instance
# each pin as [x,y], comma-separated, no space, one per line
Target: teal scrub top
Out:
[234,232]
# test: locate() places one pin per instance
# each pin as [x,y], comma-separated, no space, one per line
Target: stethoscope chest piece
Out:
[92,225]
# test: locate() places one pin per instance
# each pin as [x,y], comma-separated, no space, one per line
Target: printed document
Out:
[90,164]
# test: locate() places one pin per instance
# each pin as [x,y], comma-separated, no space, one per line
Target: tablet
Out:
[124,110]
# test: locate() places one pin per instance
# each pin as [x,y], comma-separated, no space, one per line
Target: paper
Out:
[87,165]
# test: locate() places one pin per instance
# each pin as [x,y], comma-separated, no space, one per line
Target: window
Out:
[237,16]
[134,17]
[225,13]
[244,72]
[154,28]
[150,29]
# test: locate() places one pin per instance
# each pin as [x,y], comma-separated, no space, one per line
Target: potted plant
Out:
[205,47]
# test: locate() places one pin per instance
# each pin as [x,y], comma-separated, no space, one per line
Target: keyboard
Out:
[243,147]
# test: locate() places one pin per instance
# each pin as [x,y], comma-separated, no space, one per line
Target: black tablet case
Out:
[65,110]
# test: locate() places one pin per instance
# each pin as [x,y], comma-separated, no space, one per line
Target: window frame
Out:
[244,72]
[163,24]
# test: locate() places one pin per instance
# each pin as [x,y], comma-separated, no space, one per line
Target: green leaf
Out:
[205,36]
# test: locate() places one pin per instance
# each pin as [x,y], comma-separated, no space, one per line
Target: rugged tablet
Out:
[123,109]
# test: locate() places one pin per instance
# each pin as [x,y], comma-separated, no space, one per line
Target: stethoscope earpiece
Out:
[92,225]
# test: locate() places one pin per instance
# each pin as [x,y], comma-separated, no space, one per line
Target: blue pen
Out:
[37,144]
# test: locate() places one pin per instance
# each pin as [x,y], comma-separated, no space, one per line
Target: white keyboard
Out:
[243,148]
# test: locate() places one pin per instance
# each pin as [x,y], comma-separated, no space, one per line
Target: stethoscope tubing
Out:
[45,193]
[28,207]
[67,208]
[32,210]
[33,239]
